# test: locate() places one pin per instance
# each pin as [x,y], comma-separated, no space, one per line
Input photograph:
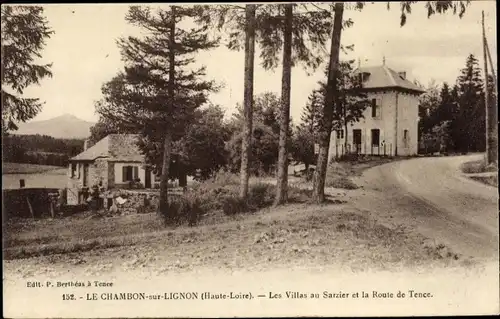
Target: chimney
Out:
[85,144]
[402,74]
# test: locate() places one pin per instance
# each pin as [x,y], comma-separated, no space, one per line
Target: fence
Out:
[340,150]
[28,202]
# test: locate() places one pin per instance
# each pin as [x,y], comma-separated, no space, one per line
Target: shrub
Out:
[260,195]
[232,205]
[342,182]
[184,209]
[299,195]
[224,178]
[349,157]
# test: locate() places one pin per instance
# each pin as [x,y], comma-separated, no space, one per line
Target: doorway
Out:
[356,140]
[147,179]
[85,174]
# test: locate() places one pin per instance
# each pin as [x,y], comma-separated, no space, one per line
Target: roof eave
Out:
[85,159]
[393,88]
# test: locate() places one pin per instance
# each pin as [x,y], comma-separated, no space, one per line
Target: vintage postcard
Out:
[250,159]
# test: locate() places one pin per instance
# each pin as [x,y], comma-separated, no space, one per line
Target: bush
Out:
[349,157]
[217,196]
[232,205]
[342,182]
[184,209]
[260,195]
[224,178]
[299,195]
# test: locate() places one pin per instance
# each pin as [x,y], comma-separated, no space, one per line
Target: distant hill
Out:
[64,126]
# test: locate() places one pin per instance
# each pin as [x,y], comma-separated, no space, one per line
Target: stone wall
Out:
[99,173]
[137,202]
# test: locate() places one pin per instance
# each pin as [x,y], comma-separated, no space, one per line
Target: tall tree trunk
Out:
[282,183]
[167,146]
[344,115]
[326,125]
[248,98]
[491,121]
[167,143]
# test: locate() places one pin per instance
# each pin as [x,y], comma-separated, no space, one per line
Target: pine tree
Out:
[159,90]
[471,114]
[446,113]
[24,31]
[311,114]
[306,134]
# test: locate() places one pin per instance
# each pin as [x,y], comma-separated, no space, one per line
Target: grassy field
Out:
[491,180]
[478,171]
[339,173]
[477,167]
[37,176]
[298,234]
[21,168]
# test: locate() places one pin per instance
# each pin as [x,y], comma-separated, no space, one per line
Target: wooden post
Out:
[52,213]
[492,68]
[30,207]
[490,125]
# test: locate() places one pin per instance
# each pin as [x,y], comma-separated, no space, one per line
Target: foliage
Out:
[453,119]
[24,32]
[264,150]
[138,99]
[311,31]
[185,209]
[39,149]
[433,7]
[203,146]
[470,130]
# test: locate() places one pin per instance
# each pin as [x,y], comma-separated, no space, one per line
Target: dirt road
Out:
[434,197]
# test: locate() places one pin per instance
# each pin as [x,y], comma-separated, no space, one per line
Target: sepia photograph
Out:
[250,159]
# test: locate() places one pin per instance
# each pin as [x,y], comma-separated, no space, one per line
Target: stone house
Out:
[390,123]
[113,162]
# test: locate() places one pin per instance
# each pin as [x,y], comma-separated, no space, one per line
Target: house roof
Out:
[380,77]
[114,147]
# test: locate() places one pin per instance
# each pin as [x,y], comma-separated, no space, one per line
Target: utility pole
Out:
[490,118]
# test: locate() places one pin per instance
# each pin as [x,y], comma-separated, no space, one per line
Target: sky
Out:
[84,53]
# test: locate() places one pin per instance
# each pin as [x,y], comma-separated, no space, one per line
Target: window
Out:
[130,173]
[340,134]
[73,169]
[405,138]
[375,108]
[375,137]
